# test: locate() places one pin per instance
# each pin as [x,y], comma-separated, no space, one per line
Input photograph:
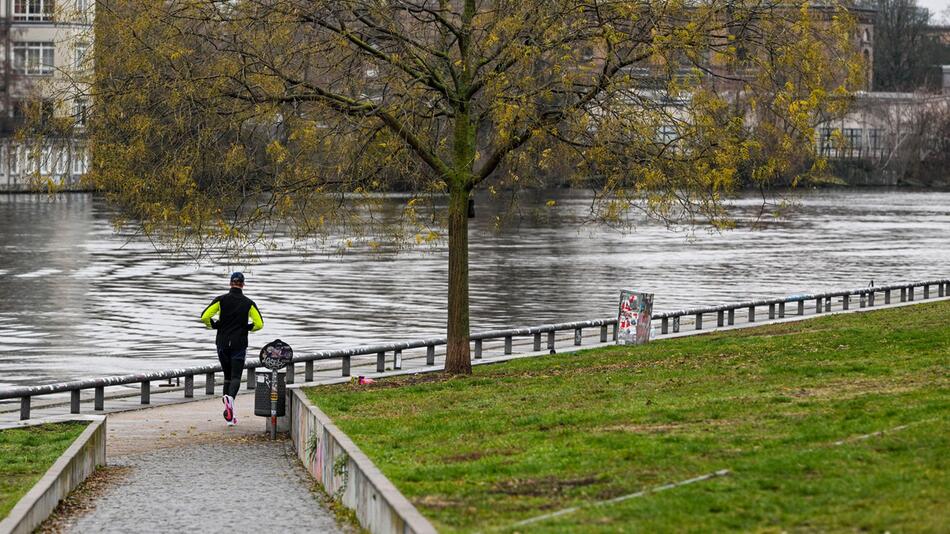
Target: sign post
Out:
[634,317]
[274,356]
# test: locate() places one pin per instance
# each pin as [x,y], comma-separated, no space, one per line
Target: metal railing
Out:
[725,316]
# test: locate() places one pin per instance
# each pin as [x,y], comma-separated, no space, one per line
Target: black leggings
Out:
[232,362]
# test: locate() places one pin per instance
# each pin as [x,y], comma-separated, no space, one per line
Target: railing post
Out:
[720,318]
[732,316]
[818,305]
[699,321]
[781,310]
[940,290]
[508,342]
[380,362]
[146,392]
[665,325]
[603,333]
[430,354]
[871,298]
[926,291]
[397,359]
[772,310]
[903,294]
[308,371]
[189,387]
[24,408]
[801,307]
[578,336]
[209,383]
[887,296]
[676,324]
[346,366]
[251,378]
[99,399]
[537,341]
[910,293]
[616,330]
[751,314]
[863,302]
[827,304]
[289,373]
[74,401]
[551,340]
[846,302]
[478,349]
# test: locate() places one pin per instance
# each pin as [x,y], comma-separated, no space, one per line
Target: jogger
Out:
[232,363]
[237,315]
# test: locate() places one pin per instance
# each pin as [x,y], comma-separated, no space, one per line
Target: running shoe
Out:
[228,409]
[233,421]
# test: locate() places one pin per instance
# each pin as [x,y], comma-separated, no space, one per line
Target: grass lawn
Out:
[770,404]
[27,453]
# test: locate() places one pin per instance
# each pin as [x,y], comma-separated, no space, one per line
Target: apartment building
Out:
[47,48]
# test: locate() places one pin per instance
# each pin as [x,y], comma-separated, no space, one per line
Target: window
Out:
[876,138]
[62,161]
[80,160]
[80,111]
[15,160]
[33,10]
[46,160]
[854,138]
[36,111]
[826,141]
[33,58]
[79,56]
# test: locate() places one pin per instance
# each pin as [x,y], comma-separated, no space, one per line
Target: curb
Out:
[78,462]
[345,472]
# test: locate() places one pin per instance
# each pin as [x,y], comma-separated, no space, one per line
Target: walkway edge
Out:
[345,472]
[79,461]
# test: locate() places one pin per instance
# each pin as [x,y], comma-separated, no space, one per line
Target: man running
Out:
[234,310]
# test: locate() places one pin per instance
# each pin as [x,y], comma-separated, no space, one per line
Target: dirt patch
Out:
[541,487]
[83,499]
[477,455]
[436,502]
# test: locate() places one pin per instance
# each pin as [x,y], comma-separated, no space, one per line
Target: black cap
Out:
[237,277]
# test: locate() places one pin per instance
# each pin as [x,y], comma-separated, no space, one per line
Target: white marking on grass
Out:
[643,493]
[879,432]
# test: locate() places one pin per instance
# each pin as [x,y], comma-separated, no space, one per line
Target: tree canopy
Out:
[221,119]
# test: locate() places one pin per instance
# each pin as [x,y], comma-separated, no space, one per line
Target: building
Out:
[47,58]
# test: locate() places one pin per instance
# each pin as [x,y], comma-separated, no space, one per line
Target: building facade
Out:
[47,48]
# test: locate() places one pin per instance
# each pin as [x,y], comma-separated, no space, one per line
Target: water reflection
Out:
[77,300]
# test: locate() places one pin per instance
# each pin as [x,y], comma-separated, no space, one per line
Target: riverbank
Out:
[791,411]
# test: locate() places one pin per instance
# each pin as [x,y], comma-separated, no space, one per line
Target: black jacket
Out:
[237,315]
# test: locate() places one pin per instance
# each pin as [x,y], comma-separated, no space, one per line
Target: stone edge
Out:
[79,461]
[345,472]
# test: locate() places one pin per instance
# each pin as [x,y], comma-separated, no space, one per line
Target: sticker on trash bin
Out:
[633,318]
[276,355]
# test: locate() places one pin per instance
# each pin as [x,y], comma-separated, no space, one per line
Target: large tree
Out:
[905,56]
[222,119]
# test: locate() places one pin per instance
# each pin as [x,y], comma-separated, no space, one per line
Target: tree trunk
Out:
[458,358]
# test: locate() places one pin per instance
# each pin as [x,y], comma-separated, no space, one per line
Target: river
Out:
[78,299]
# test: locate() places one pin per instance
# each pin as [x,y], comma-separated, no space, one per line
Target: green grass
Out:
[27,453]
[532,436]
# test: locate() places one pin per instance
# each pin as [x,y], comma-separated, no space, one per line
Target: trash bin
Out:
[262,395]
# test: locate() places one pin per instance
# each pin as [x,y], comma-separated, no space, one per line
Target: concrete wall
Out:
[78,462]
[348,474]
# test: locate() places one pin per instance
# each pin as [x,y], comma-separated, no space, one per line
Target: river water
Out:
[79,300]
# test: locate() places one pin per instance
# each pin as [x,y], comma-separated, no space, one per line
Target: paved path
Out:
[187,470]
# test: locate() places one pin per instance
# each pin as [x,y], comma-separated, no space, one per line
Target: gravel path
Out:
[184,469]
[251,485]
